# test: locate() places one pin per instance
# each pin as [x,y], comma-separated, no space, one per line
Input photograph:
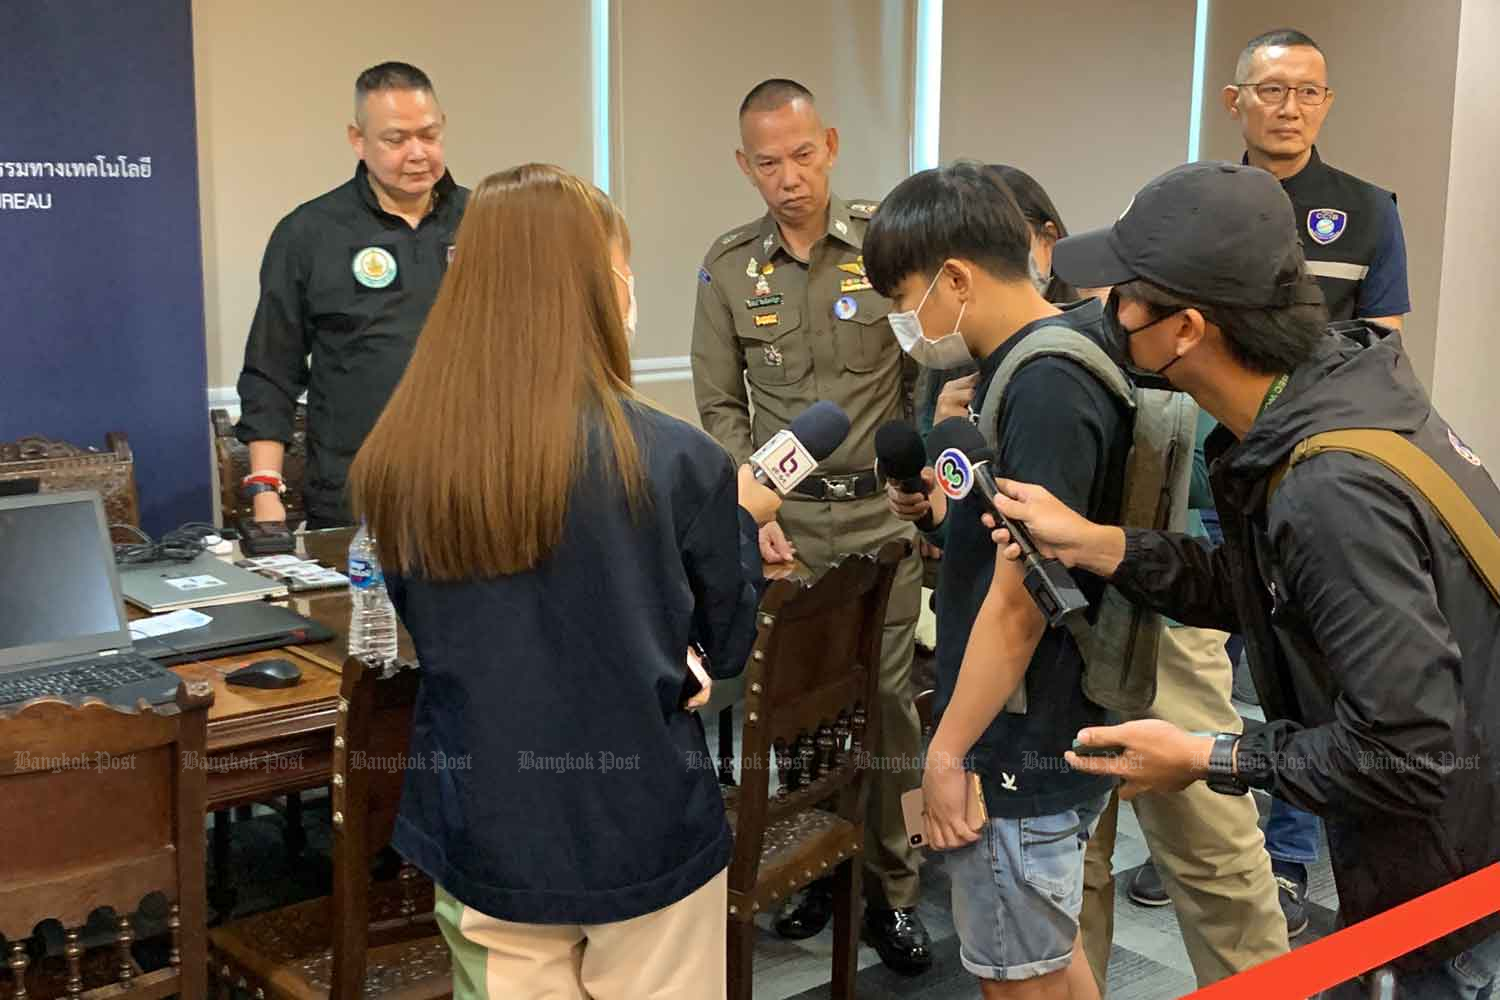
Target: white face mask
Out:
[948,351]
[630,314]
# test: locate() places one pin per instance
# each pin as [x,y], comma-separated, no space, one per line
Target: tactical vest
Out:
[1340,220]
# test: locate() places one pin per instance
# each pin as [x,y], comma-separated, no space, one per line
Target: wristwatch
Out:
[251,490]
[1221,777]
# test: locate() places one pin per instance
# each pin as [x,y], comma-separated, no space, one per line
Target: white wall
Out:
[1468,349]
[1090,97]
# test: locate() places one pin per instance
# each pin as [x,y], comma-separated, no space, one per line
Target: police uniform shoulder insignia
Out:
[841,226]
[727,242]
[863,209]
[1325,225]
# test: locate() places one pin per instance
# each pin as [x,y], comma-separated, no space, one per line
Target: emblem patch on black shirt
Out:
[374,267]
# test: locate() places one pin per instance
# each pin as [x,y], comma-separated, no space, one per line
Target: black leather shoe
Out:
[806,913]
[900,938]
[1146,888]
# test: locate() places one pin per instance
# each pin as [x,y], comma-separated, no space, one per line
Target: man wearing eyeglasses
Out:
[1350,230]
[1351,237]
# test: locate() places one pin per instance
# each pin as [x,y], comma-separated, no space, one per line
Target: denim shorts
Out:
[1017,891]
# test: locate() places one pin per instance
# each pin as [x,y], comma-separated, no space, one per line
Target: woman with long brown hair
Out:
[553,545]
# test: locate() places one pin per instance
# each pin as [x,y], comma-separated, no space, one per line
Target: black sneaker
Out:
[1146,888]
[900,938]
[1293,895]
[806,913]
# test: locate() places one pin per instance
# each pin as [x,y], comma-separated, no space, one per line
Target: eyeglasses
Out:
[1309,95]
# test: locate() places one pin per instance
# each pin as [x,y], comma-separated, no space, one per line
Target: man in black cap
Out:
[1369,599]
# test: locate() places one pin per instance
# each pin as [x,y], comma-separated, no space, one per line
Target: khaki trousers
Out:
[675,953]
[1207,847]
[822,533]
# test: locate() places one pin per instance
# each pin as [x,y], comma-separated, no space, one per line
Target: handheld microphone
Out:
[900,458]
[792,454]
[964,463]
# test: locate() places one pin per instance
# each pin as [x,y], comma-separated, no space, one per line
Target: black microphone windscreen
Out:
[899,448]
[821,428]
[955,432]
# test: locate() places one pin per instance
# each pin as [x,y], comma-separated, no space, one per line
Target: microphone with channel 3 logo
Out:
[791,455]
[962,463]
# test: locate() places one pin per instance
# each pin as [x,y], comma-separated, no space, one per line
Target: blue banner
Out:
[101,322]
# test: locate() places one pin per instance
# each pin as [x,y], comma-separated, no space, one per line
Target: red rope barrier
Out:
[1366,945]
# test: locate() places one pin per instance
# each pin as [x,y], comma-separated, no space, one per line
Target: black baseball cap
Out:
[1217,233]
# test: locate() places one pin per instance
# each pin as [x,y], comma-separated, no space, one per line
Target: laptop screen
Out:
[61,592]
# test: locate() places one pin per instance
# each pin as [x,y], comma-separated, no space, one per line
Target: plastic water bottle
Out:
[372,618]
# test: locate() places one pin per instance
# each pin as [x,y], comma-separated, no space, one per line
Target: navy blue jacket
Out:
[555,777]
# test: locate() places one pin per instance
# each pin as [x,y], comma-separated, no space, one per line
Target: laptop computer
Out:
[63,630]
[202,582]
[234,629]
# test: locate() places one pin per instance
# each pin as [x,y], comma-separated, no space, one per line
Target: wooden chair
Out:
[232,461]
[811,695]
[49,466]
[102,807]
[366,939]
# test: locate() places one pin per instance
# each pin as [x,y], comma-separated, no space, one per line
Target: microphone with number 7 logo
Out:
[791,455]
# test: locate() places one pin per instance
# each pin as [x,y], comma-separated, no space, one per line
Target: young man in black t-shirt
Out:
[949,247]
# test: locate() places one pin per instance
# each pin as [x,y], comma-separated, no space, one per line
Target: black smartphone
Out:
[1090,750]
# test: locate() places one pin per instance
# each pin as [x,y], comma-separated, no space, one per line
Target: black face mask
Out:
[1117,346]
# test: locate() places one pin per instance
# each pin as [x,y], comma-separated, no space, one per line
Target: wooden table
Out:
[268,742]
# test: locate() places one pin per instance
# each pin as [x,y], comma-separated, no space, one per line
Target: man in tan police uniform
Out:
[783,302]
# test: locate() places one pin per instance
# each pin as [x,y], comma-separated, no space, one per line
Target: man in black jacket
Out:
[1371,637]
[345,287]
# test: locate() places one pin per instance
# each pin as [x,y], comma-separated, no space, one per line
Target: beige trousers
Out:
[675,953]
[1207,847]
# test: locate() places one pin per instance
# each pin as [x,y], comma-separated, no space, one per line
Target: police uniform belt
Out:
[854,487]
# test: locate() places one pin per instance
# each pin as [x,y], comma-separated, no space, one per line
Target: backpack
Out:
[1119,648]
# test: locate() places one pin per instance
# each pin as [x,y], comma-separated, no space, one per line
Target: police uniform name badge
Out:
[784,460]
[1325,225]
[374,267]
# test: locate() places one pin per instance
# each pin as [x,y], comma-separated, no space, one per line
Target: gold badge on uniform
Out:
[767,319]
[773,353]
[855,285]
[855,266]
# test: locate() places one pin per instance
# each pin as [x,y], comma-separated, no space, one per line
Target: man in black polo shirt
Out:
[949,246]
[1351,237]
[346,283]
[1350,230]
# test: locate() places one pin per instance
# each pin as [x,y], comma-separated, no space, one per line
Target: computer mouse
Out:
[267,674]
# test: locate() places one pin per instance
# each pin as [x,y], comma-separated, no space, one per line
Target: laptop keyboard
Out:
[89,677]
